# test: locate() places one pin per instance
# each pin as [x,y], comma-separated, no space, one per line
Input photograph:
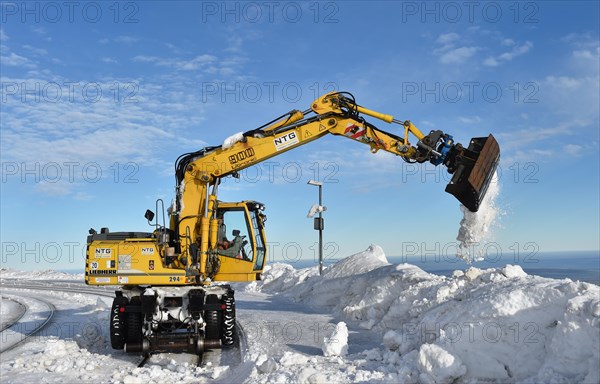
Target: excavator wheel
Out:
[134,323]
[229,330]
[212,319]
[118,330]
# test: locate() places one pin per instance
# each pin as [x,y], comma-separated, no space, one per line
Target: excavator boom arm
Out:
[334,113]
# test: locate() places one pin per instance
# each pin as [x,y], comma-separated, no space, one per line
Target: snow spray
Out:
[476,226]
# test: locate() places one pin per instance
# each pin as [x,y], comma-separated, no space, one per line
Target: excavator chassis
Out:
[147,320]
[473,171]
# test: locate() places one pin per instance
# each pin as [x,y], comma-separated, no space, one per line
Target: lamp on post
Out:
[319,223]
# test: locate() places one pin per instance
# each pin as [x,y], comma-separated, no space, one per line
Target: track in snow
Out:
[36,316]
[231,357]
[18,317]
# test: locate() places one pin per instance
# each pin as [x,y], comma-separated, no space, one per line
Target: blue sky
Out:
[100,98]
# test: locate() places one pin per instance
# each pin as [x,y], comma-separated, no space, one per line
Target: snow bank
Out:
[278,277]
[439,366]
[494,324]
[65,361]
[10,310]
[373,257]
[7,273]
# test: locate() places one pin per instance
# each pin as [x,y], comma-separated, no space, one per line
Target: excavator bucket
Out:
[475,167]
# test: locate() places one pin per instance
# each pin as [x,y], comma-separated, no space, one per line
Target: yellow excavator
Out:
[173,294]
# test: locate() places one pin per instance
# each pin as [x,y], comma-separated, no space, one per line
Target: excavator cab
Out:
[473,169]
[241,242]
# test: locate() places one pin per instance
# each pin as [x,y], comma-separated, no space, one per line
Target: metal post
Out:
[319,222]
[320,232]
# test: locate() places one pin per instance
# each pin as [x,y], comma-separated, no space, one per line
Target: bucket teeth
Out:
[475,168]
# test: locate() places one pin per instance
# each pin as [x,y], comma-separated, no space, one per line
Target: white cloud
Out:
[36,51]
[41,31]
[573,149]
[109,60]
[562,82]
[491,62]
[508,56]
[83,196]
[449,53]
[514,142]
[125,39]
[458,55]
[507,42]
[102,132]
[197,62]
[587,54]
[447,38]
[582,40]
[3,36]
[576,97]
[14,60]
[234,44]
[517,51]
[146,59]
[58,188]
[470,120]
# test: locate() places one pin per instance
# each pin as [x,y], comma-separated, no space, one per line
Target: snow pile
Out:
[475,226]
[231,140]
[278,277]
[497,324]
[372,258]
[64,361]
[8,273]
[337,343]
[10,310]
[439,366]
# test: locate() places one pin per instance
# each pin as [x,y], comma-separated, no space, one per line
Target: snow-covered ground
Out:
[10,311]
[6,273]
[364,320]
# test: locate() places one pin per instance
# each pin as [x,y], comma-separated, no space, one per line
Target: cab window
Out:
[233,237]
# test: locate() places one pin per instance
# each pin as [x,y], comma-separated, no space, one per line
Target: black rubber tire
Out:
[134,323]
[118,321]
[212,330]
[228,328]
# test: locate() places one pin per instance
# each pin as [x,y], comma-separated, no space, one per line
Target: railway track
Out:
[17,333]
[236,353]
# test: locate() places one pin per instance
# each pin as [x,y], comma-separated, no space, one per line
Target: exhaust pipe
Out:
[473,170]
